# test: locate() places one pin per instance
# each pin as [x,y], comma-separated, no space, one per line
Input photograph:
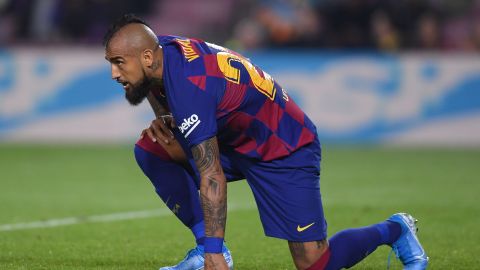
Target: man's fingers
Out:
[165,126]
[150,134]
[160,130]
[166,130]
[169,123]
[172,123]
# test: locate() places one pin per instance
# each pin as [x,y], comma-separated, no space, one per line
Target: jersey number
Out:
[263,84]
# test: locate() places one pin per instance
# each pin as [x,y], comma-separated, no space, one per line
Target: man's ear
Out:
[147,57]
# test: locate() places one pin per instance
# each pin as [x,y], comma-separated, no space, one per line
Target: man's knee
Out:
[157,163]
[167,152]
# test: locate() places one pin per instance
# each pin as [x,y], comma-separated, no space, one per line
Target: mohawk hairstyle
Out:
[119,24]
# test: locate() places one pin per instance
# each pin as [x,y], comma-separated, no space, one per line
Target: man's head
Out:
[135,56]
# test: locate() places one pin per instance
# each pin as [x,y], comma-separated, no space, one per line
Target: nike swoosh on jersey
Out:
[301,229]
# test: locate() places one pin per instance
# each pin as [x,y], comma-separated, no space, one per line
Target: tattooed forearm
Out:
[215,215]
[205,155]
[213,187]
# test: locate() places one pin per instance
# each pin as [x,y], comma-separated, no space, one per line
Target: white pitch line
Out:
[97,218]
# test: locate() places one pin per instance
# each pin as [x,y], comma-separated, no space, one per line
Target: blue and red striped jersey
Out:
[213,91]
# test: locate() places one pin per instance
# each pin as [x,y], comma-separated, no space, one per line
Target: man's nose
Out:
[115,73]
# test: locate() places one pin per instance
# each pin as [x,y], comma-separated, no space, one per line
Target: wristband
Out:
[213,244]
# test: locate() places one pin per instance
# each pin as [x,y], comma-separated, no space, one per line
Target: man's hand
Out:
[161,129]
[214,261]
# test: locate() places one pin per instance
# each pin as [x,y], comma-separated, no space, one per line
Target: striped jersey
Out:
[213,91]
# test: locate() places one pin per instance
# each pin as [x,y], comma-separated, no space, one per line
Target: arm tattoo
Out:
[206,154]
[213,187]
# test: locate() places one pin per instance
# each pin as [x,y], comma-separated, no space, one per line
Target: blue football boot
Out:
[194,260]
[407,247]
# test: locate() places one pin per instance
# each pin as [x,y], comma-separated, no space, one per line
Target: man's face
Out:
[127,69]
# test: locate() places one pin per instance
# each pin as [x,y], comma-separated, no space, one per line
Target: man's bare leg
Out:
[305,254]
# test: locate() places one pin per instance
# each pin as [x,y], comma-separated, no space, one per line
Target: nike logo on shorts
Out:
[301,229]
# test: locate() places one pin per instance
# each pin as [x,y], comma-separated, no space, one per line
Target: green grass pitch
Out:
[360,185]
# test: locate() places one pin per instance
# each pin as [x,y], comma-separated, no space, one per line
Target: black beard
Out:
[139,92]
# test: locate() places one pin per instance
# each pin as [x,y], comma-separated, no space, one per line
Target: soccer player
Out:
[220,118]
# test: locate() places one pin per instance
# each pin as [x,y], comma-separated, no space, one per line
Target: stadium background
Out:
[393,87]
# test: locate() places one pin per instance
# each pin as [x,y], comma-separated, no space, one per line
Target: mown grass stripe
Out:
[56,222]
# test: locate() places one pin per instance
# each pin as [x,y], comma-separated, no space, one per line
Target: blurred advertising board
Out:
[66,95]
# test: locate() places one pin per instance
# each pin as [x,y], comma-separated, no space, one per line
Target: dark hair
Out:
[119,24]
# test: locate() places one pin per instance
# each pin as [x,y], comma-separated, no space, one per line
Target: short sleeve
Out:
[193,108]
[194,113]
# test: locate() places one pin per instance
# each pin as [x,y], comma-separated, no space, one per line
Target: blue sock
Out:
[176,187]
[350,246]
[199,233]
